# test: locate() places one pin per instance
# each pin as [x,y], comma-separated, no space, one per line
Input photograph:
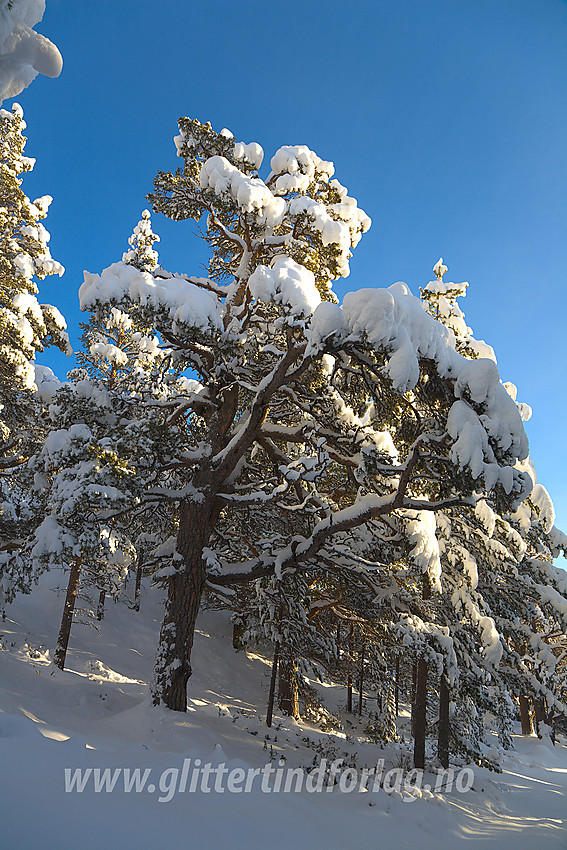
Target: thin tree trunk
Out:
[413,692]
[539,713]
[67,618]
[238,629]
[397,687]
[349,678]
[525,716]
[443,727]
[542,716]
[420,711]
[100,606]
[272,693]
[361,681]
[138,585]
[288,697]
[419,703]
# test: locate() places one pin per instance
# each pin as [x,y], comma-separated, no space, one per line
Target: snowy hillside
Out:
[97,715]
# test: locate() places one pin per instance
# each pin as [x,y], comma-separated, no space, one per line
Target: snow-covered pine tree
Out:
[491,600]
[97,462]
[26,327]
[295,390]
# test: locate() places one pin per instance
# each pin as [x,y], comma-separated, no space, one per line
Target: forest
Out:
[350,482]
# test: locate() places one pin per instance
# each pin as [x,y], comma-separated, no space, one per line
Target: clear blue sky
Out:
[446,119]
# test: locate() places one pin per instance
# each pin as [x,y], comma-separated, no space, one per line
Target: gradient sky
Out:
[446,119]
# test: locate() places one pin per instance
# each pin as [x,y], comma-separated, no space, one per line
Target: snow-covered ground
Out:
[97,715]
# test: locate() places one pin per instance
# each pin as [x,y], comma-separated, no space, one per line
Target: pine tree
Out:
[490,602]
[355,421]
[95,463]
[26,327]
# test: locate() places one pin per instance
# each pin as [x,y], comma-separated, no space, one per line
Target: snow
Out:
[96,715]
[493,648]
[287,283]
[558,541]
[297,167]
[47,383]
[439,269]
[187,305]
[421,527]
[486,516]
[393,321]
[250,193]
[50,538]
[23,52]
[338,224]
[251,154]
[544,506]
[107,351]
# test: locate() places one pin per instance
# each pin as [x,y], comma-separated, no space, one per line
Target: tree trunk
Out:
[67,618]
[542,716]
[397,687]
[100,606]
[272,693]
[173,660]
[361,681]
[138,585]
[539,713]
[443,727]
[238,629]
[349,678]
[420,712]
[288,697]
[525,716]
[413,688]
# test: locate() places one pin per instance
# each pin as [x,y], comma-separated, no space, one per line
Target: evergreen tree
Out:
[492,602]
[298,398]
[26,327]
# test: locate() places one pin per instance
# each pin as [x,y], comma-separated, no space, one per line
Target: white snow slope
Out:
[97,714]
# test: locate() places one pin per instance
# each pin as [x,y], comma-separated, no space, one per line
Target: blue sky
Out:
[446,119]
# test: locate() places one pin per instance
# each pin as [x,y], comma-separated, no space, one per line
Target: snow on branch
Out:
[185,304]
[484,421]
[24,53]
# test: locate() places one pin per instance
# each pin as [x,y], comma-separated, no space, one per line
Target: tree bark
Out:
[349,677]
[525,716]
[542,716]
[272,693]
[288,697]
[138,585]
[413,691]
[443,727]
[539,712]
[361,681]
[397,687]
[238,629]
[185,589]
[100,606]
[420,712]
[67,618]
